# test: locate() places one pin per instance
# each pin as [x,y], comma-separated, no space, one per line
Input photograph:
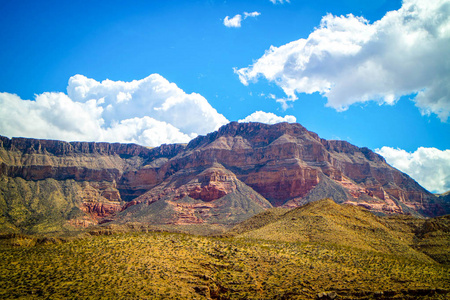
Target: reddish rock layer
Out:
[283,162]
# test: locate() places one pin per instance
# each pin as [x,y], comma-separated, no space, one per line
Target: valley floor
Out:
[181,266]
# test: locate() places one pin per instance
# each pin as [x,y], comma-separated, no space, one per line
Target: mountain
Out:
[445,197]
[219,179]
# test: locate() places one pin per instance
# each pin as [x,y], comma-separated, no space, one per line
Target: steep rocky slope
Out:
[290,166]
[221,178]
[48,185]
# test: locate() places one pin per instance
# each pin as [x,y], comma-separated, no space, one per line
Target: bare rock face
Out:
[285,162]
[101,210]
[212,195]
[98,169]
[212,183]
[250,165]
[100,200]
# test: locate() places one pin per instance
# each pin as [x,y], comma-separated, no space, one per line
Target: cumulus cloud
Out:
[150,111]
[349,60]
[268,118]
[237,19]
[233,22]
[430,167]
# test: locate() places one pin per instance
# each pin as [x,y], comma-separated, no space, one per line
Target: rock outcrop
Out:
[256,164]
[285,163]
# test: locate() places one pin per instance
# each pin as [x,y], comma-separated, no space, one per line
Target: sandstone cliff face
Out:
[125,164]
[283,163]
[208,194]
[97,168]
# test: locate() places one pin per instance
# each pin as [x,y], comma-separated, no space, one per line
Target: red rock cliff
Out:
[285,163]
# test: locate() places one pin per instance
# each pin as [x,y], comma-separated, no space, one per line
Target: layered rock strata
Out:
[268,165]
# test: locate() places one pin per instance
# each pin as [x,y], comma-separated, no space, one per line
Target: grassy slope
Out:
[37,206]
[278,254]
[258,221]
[327,222]
[162,265]
[434,239]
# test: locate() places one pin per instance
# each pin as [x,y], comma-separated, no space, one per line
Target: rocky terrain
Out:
[219,179]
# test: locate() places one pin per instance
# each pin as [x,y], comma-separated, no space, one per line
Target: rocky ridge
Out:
[252,165]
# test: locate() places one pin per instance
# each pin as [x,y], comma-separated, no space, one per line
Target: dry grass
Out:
[278,254]
[179,266]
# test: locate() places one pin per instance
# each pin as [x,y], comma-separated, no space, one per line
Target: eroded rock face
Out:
[212,183]
[212,195]
[100,200]
[101,210]
[284,163]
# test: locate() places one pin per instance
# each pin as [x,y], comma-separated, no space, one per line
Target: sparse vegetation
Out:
[169,265]
[303,253]
[33,207]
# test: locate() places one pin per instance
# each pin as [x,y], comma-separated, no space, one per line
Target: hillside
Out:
[177,266]
[319,251]
[325,222]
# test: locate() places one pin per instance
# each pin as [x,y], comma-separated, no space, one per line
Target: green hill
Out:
[321,250]
[34,207]
[325,222]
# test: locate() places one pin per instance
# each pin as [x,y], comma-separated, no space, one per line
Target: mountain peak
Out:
[258,134]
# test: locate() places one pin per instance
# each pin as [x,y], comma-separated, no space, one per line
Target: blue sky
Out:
[222,74]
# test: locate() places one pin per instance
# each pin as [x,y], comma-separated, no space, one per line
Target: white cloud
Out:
[137,130]
[284,103]
[348,60]
[251,15]
[430,167]
[237,19]
[233,22]
[279,1]
[150,111]
[268,118]
[153,96]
